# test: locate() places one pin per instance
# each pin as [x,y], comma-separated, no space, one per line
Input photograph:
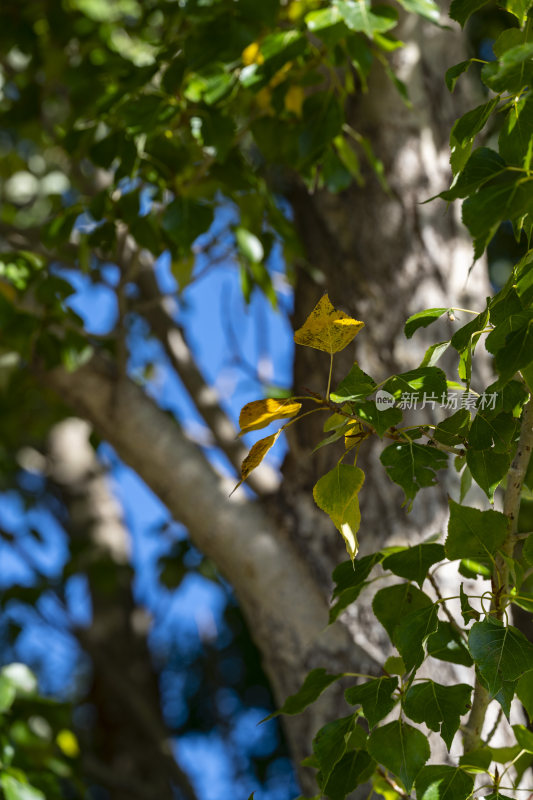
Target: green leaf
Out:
[184,220]
[477,760]
[524,738]
[515,136]
[524,692]
[433,354]
[474,534]
[440,707]
[483,165]
[356,385]
[350,581]
[414,562]
[517,352]
[314,684]
[360,16]
[424,8]
[489,430]
[512,72]
[488,469]
[323,18]
[392,604]
[413,466]
[501,653]
[465,131]
[439,781]
[527,550]
[336,494]
[375,697]
[453,74]
[462,338]
[394,665]
[446,644]
[7,694]
[429,380]
[400,748]
[454,430]
[15,790]
[412,632]
[330,744]
[380,420]
[461,10]
[422,319]
[354,768]
[468,613]
[322,121]
[249,245]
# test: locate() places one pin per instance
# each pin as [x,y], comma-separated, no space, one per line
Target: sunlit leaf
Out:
[336,494]
[327,329]
[260,413]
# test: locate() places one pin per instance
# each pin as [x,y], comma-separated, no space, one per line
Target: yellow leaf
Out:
[260,413]
[355,433]
[252,54]
[294,100]
[68,743]
[327,329]
[256,455]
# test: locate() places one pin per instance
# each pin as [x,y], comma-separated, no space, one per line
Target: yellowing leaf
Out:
[8,291]
[355,433]
[280,75]
[256,455]
[68,743]
[294,100]
[336,494]
[252,55]
[327,329]
[260,413]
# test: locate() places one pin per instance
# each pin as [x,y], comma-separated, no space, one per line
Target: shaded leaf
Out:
[357,384]
[375,696]
[354,768]
[412,466]
[413,563]
[412,632]
[400,748]
[524,691]
[439,707]
[474,534]
[439,781]
[452,75]
[488,469]
[330,744]
[501,653]
[422,319]
[350,579]
[392,604]
[314,684]
[446,644]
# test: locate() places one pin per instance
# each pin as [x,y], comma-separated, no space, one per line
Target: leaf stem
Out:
[329,376]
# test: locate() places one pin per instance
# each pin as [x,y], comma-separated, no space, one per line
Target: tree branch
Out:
[511,507]
[155,311]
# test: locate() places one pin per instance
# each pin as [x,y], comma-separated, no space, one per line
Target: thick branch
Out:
[284,606]
[155,311]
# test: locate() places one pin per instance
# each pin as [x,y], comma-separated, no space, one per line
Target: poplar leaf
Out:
[336,494]
[440,780]
[474,534]
[375,696]
[327,329]
[440,707]
[260,413]
[524,691]
[502,653]
[255,456]
[315,683]
[400,748]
